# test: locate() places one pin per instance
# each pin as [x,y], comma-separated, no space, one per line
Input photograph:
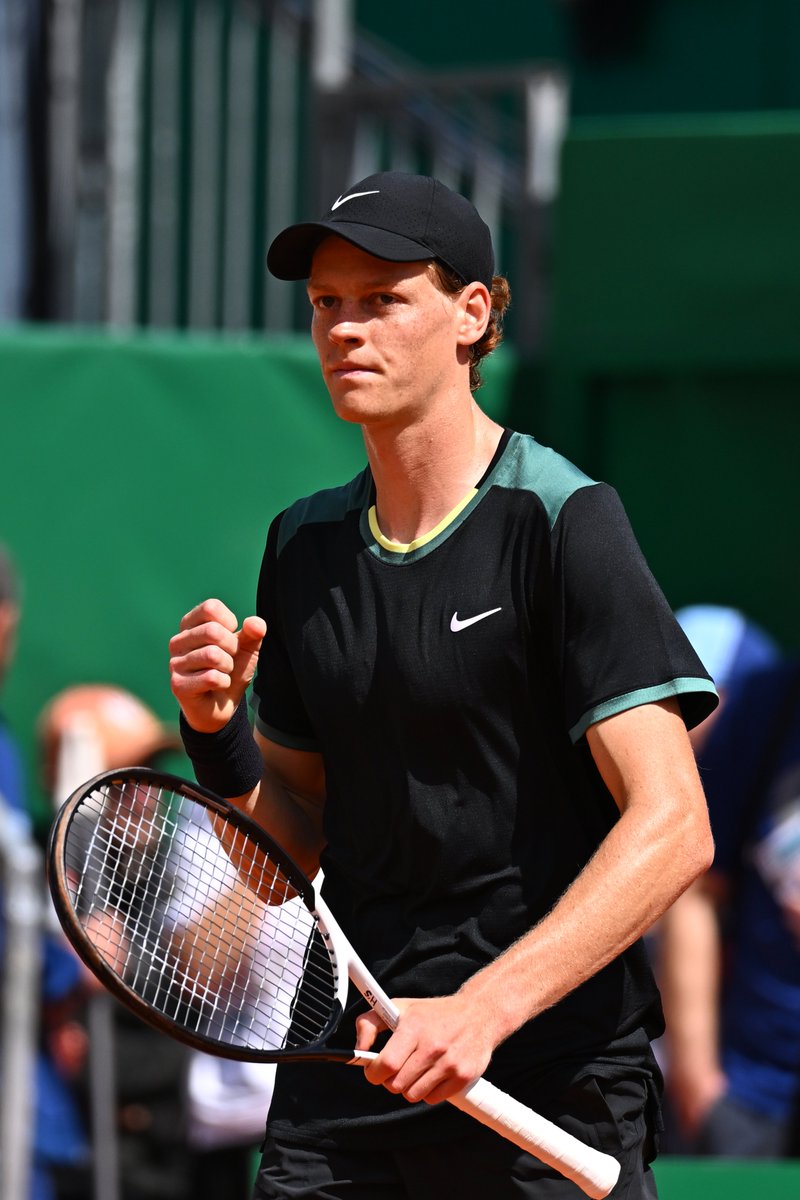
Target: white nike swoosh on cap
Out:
[456,624]
[343,199]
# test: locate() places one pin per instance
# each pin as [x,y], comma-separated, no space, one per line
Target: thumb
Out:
[368,1026]
[251,635]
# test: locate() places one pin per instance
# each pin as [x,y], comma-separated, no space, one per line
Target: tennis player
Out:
[471,705]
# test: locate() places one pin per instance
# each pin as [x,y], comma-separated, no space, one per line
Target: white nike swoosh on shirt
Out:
[343,199]
[456,624]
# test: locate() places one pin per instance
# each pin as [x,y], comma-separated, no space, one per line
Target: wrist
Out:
[228,761]
[495,997]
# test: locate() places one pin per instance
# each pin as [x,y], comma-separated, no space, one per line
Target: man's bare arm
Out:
[661,843]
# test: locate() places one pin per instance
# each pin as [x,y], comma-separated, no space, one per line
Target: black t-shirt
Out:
[448,687]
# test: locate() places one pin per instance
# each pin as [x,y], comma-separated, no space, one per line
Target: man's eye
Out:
[324,302]
[387,298]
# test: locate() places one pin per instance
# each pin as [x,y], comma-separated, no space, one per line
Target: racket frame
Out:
[315,1051]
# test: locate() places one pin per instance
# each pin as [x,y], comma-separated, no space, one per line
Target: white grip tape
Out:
[594,1172]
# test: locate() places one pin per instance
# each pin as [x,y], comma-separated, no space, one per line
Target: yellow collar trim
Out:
[407,547]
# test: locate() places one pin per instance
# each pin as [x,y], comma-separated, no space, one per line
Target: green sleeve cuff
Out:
[698,698]
[292,741]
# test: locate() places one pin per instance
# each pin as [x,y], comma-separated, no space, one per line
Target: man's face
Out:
[387,337]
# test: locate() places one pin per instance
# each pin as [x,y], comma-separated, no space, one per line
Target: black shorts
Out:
[612,1117]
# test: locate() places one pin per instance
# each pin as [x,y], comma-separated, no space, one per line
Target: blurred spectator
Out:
[730,946]
[59,1142]
[95,727]
[185,1125]
[228,1103]
[730,646]
[134,1092]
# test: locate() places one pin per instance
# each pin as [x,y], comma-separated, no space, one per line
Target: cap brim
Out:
[290,255]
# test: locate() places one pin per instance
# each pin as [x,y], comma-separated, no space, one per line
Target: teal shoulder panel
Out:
[325,507]
[529,466]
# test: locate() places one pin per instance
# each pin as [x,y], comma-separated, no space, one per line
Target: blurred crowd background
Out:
[639,164]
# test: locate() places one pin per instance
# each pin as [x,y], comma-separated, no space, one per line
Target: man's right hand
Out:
[212,662]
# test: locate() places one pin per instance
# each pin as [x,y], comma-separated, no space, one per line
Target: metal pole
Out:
[546,116]
[103,1098]
[65,56]
[183,163]
[221,156]
[282,140]
[23,917]
[332,43]
[124,144]
[144,273]
[80,756]
[15,201]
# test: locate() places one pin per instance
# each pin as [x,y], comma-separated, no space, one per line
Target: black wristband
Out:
[227,762]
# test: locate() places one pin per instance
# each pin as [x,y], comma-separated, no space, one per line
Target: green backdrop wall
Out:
[674,352]
[625,56]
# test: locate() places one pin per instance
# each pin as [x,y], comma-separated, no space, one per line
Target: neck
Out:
[423,471]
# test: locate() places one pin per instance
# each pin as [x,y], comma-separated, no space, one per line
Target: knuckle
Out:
[210,655]
[216,634]
[219,612]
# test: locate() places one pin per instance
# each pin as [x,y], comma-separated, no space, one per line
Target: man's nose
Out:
[347,325]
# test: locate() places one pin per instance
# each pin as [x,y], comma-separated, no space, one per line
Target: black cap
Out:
[400,217]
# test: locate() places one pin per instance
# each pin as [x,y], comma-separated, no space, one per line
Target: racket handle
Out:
[362,1058]
[594,1172]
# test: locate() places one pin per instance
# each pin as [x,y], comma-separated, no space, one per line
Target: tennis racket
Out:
[193,917]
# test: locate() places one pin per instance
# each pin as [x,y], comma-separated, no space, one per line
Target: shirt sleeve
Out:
[280,713]
[617,639]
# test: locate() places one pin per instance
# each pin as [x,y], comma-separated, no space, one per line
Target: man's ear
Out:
[475,305]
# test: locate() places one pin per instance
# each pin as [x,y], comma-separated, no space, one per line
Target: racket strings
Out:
[198,919]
